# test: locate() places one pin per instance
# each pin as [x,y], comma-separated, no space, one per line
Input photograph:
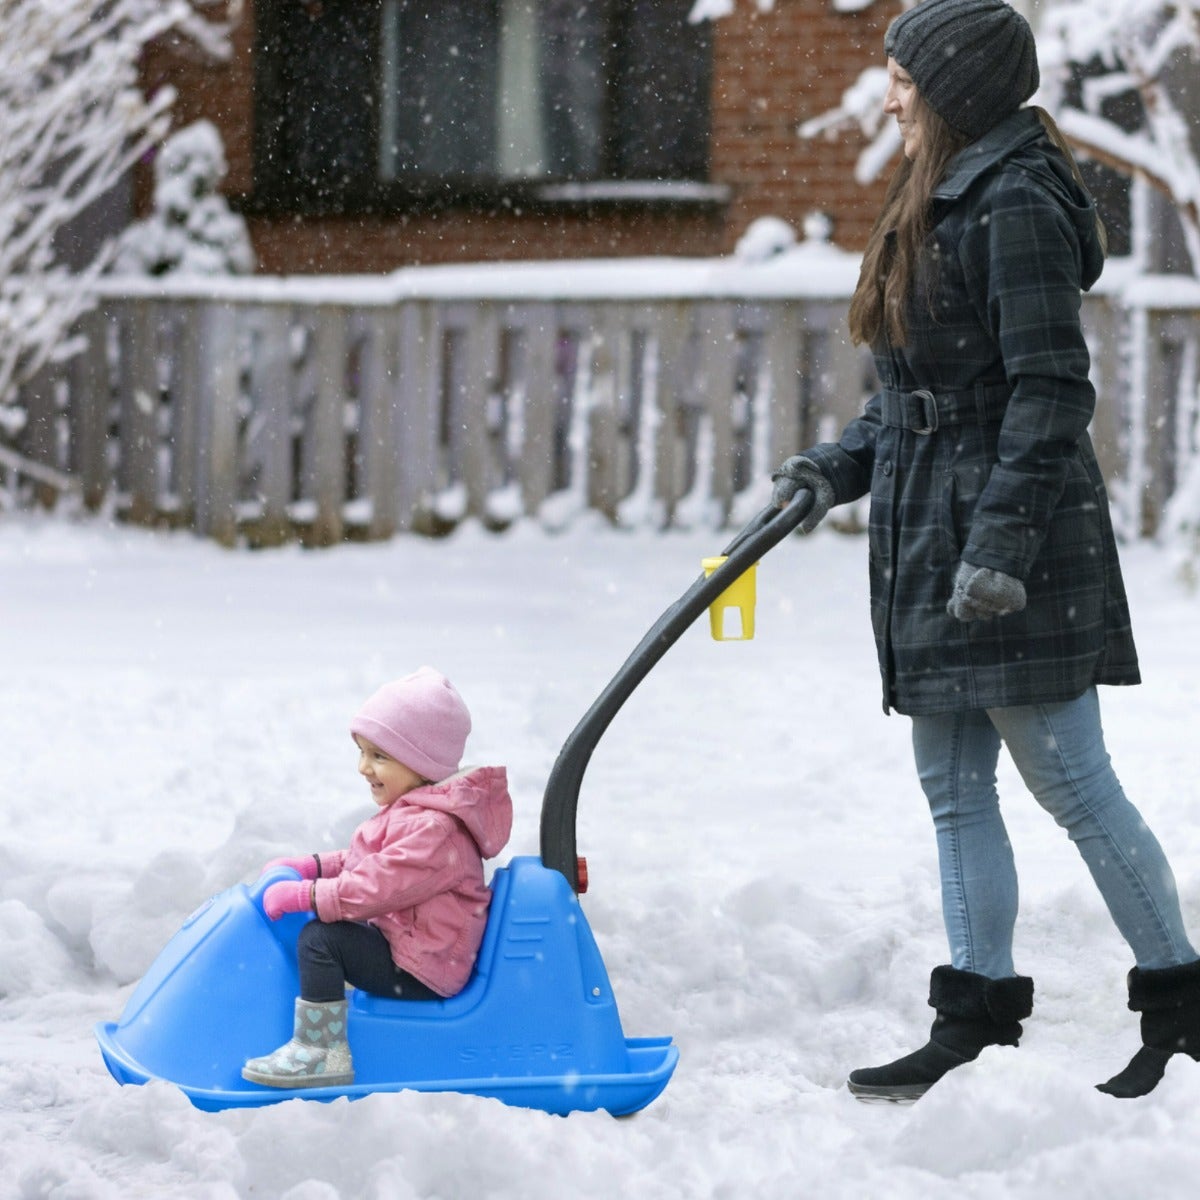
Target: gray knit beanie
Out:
[973,61]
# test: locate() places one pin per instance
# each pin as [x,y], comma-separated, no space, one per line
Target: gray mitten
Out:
[981,593]
[799,472]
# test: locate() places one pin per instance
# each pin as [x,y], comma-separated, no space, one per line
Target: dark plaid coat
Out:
[1008,478]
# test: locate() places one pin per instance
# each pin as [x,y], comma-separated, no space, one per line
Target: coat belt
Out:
[924,411]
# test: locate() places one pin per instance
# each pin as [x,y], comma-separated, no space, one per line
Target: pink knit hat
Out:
[420,720]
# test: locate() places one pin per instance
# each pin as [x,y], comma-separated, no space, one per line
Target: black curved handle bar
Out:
[561,798]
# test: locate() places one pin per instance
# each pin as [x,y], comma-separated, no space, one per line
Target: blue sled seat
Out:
[539,1001]
[384,1008]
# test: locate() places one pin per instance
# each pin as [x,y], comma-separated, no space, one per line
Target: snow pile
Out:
[763,876]
[714,10]
[192,229]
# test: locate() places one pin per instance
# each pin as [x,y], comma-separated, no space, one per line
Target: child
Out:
[402,912]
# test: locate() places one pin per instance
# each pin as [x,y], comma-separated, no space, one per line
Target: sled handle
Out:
[561,798]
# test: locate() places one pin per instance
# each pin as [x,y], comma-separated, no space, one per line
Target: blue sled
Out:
[537,1025]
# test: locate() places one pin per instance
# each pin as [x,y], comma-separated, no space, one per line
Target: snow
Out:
[763,878]
[192,229]
[812,268]
[714,10]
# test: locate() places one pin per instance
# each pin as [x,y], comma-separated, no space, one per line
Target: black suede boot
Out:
[973,1011]
[1169,1001]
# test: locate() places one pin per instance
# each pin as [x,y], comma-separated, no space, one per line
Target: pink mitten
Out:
[306,865]
[292,895]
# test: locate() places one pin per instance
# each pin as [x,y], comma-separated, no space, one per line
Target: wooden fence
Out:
[264,411]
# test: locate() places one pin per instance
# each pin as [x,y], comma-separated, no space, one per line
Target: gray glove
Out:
[799,472]
[981,593]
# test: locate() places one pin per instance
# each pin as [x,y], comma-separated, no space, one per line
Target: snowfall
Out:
[763,882]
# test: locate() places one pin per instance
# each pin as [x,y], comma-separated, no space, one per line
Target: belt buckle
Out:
[930,412]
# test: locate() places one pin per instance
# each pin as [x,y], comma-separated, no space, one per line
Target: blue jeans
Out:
[1059,751]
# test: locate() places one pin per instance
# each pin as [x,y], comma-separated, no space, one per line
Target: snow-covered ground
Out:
[763,881]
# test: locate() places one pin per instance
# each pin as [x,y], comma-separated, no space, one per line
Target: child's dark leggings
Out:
[347,952]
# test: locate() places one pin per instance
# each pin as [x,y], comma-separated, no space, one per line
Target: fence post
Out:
[541,399]
[1137,380]
[216,463]
[1161,414]
[612,389]
[1185,332]
[88,411]
[39,438]
[476,387]
[673,328]
[325,467]
[416,429]
[1104,344]
[781,347]
[270,440]
[716,380]
[377,415]
[138,475]
[186,398]
[841,369]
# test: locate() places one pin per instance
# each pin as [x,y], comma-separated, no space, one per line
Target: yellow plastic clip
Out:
[738,598]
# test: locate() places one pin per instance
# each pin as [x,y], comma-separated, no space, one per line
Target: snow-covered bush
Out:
[191,230]
[764,238]
[75,121]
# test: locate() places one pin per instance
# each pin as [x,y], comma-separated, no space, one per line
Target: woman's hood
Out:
[1022,142]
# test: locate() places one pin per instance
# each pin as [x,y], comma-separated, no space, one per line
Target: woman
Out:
[996,595]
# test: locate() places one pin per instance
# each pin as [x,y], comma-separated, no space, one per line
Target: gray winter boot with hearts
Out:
[317,1056]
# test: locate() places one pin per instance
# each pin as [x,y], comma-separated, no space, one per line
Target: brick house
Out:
[355,144]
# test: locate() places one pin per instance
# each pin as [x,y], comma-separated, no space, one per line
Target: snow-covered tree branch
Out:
[75,121]
[1150,47]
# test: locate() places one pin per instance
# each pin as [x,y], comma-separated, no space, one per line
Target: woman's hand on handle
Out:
[794,474]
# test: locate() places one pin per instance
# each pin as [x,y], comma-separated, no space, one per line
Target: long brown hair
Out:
[889,265]
[887,279]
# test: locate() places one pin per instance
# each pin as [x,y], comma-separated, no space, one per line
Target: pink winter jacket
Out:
[415,870]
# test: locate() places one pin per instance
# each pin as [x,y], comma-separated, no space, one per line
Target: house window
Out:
[375,102]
